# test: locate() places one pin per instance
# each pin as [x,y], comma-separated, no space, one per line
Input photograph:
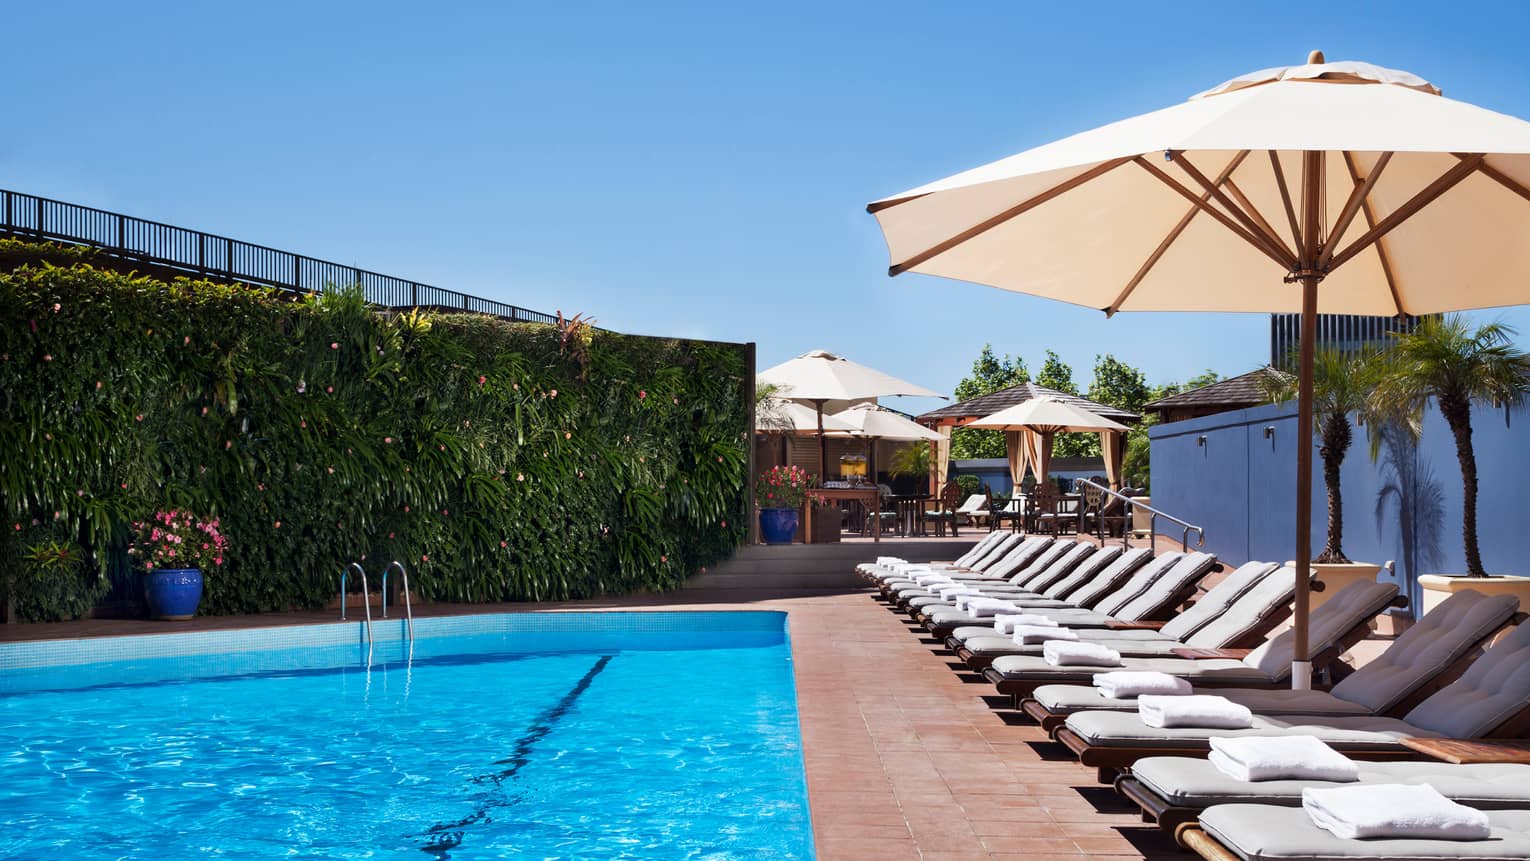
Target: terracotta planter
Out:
[1438,587]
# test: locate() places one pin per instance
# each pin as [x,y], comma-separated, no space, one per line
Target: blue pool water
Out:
[679,740]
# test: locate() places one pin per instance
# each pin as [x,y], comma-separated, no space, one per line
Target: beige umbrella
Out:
[871,423]
[1035,422]
[1360,180]
[821,376]
[779,416]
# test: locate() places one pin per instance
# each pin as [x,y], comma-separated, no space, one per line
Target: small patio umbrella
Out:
[1362,180]
[790,417]
[820,376]
[1038,420]
[871,423]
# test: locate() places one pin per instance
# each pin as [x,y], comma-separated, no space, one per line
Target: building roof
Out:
[1244,390]
[987,405]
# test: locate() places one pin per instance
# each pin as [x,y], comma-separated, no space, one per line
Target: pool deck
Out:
[906,757]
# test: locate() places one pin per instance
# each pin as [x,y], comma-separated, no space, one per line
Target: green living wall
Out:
[499,461]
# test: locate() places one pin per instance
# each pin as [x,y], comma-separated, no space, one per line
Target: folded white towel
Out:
[1197,710]
[989,608]
[929,579]
[965,601]
[956,590]
[1030,635]
[1127,684]
[1061,653]
[1281,757]
[889,561]
[1005,623]
[1393,810]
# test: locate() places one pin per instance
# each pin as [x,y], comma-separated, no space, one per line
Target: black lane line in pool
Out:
[448,836]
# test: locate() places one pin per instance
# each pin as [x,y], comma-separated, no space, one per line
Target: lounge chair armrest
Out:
[1464,750]
[1118,625]
[1208,654]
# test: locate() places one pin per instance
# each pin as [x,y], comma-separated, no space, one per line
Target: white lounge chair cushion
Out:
[1219,598]
[1067,699]
[1493,689]
[1257,832]
[1196,783]
[1126,729]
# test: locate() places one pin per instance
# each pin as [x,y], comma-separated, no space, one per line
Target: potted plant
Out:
[1341,382]
[780,492]
[1456,365]
[175,548]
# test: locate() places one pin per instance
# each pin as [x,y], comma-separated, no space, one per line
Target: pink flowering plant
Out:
[178,539]
[783,487]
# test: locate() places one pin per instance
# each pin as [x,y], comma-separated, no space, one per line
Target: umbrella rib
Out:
[1031,203]
[1223,218]
[1254,224]
[1381,247]
[1163,247]
[1253,211]
[1357,198]
[880,205]
[1433,190]
[1285,196]
[1499,177]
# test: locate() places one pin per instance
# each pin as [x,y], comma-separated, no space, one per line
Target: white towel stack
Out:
[987,608]
[1202,711]
[1061,653]
[890,561]
[1030,635]
[1127,684]
[928,579]
[955,590]
[965,601]
[1005,623]
[1281,757]
[1395,811]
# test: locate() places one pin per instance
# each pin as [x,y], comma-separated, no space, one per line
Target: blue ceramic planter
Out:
[778,525]
[173,593]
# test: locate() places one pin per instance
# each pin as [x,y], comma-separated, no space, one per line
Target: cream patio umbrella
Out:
[1037,421]
[819,376]
[789,417]
[871,423]
[1362,181]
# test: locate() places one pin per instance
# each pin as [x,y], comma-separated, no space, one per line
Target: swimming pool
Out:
[580,735]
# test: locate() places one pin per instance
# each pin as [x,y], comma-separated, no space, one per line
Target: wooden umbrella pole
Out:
[1309,276]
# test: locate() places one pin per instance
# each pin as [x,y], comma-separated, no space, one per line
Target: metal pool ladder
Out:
[366,600]
[408,607]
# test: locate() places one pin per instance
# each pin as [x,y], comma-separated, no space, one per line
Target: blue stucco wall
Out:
[1241,486]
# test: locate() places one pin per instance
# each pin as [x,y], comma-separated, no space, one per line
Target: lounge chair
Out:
[1173,790]
[1236,613]
[1262,832]
[1490,699]
[1048,553]
[901,588]
[1061,556]
[972,554]
[1331,631]
[1421,660]
[940,619]
[983,553]
[975,506]
[1149,594]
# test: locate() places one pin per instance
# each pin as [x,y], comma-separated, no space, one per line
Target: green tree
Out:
[1340,383]
[1456,365]
[1055,374]
[989,374]
[1119,384]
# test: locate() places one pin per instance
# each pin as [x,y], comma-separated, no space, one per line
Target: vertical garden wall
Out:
[500,461]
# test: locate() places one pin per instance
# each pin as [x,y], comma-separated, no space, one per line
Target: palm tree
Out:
[1448,360]
[1340,382]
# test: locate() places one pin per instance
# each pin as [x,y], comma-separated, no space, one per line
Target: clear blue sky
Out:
[689,169]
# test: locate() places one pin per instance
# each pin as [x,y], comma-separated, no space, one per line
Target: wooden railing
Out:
[206,255]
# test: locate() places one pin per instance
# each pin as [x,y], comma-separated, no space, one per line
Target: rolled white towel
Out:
[956,590]
[1005,623]
[1281,757]
[889,561]
[932,579]
[989,607]
[1393,810]
[1203,711]
[1061,653]
[965,601]
[1030,635]
[1126,684]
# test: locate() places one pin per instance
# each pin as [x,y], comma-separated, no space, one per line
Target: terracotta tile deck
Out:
[906,758]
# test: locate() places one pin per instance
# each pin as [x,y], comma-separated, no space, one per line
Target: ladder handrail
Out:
[1132,502]
[408,605]
[366,599]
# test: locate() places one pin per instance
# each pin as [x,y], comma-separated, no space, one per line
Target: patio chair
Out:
[1490,699]
[1011,512]
[1422,659]
[975,507]
[945,509]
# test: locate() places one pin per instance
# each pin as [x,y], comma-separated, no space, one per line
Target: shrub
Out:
[500,461]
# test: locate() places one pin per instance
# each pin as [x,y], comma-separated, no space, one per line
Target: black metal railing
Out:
[206,255]
[1130,504]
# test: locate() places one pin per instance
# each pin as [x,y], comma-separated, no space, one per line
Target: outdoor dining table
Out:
[910,510]
[868,497]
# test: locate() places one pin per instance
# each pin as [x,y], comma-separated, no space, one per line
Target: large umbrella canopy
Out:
[820,376]
[1362,182]
[870,420]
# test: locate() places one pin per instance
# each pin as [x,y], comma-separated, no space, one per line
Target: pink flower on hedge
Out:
[663,558]
[329,389]
[424,557]
[278,525]
[330,469]
[725,524]
[520,477]
[228,444]
[186,340]
[390,536]
[568,435]
[406,509]
[502,544]
[204,409]
[47,357]
[553,393]
[98,385]
[482,379]
[388,440]
[642,394]
[57,307]
[138,418]
[334,345]
[676,400]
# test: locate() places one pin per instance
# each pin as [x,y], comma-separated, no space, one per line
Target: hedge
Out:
[500,461]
